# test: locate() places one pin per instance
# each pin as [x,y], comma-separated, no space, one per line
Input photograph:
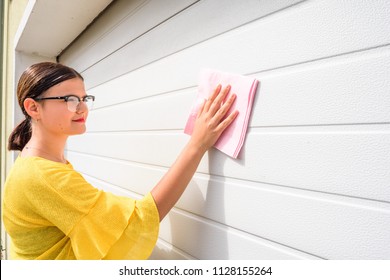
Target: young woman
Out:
[50,211]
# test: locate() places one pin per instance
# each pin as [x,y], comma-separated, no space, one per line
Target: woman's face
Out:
[56,118]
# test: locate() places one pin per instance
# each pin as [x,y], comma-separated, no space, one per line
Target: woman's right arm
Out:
[209,125]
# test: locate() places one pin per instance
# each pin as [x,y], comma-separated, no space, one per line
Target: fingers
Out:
[211,99]
[217,102]
[221,113]
[216,109]
[227,121]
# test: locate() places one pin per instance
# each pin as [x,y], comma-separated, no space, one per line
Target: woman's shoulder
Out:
[32,170]
[39,175]
[40,165]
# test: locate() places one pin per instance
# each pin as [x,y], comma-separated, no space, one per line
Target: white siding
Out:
[313,179]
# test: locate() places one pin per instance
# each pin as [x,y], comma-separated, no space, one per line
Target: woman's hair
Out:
[34,81]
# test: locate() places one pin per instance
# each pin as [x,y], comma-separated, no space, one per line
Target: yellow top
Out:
[51,212]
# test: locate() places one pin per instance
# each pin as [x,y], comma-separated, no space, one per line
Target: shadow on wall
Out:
[200,231]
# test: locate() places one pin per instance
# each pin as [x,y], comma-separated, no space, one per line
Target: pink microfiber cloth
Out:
[232,139]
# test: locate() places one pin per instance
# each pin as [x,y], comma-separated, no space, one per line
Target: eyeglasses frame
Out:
[65,98]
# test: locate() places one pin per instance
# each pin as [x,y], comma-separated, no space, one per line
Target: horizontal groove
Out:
[245,183]
[322,125]
[321,59]
[146,97]
[261,129]
[135,131]
[311,193]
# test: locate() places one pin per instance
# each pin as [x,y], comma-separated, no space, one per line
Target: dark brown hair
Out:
[34,81]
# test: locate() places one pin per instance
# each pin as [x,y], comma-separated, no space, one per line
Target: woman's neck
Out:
[48,148]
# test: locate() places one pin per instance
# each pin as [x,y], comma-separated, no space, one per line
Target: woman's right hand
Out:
[212,120]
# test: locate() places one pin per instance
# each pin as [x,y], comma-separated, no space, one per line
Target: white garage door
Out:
[313,179]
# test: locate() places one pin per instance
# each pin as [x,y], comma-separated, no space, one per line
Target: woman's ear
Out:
[32,108]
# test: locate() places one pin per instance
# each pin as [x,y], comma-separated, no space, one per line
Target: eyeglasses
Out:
[72,101]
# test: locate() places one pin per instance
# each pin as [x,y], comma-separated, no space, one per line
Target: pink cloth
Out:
[232,139]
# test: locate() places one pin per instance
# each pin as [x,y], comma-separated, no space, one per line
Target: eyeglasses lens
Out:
[73,103]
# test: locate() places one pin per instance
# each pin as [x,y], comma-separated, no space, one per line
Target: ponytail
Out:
[20,135]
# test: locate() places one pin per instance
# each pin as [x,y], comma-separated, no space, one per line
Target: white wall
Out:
[313,178]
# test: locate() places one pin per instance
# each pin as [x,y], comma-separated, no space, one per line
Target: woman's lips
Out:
[80,120]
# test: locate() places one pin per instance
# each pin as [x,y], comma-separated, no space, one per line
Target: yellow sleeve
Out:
[97,231]
[139,238]
[113,230]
